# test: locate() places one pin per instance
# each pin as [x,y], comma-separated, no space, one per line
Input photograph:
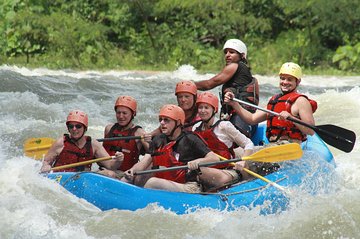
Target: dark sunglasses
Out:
[71,126]
[166,120]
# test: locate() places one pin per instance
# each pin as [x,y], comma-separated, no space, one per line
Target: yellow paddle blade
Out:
[276,153]
[37,147]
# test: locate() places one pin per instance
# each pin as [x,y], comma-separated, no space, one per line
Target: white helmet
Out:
[236,45]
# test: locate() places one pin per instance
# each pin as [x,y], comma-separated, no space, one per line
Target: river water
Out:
[35,103]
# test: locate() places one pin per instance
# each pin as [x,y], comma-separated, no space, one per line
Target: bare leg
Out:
[215,177]
[159,183]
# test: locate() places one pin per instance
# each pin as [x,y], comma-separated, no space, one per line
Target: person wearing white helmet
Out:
[289,104]
[237,78]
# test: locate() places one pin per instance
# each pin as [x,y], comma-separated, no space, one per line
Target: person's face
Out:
[185,101]
[288,83]
[231,56]
[123,115]
[205,111]
[166,125]
[75,129]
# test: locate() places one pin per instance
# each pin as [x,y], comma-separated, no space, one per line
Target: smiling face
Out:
[205,111]
[231,56]
[123,115]
[75,129]
[185,101]
[288,83]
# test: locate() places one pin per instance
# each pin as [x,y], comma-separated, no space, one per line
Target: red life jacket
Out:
[130,159]
[165,157]
[215,144]
[191,121]
[71,153]
[287,128]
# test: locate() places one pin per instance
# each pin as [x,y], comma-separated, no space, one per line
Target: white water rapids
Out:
[35,103]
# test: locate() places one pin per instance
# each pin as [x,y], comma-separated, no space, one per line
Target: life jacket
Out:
[247,91]
[130,158]
[215,144]
[278,127]
[164,157]
[191,121]
[71,153]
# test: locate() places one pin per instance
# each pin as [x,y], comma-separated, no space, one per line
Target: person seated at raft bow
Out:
[221,137]
[237,78]
[176,147]
[186,94]
[125,109]
[289,104]
[77,147]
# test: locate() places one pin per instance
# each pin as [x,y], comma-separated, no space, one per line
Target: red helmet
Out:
[78,116]
[128,102]
[173,112]
[186,87]
[208,98]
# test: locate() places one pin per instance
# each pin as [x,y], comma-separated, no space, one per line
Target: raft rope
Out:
[224,196]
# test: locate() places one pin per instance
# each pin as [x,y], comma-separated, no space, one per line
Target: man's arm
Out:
[248,117]
[100,152]
[221,78]
[51,155]
[302,107]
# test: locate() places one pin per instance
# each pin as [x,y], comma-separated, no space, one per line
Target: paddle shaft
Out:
[120,138]
[184,167]
[270,154]
[336,140]
[82,163]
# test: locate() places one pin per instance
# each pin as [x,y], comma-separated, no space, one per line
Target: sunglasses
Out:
[77,126]
[166,120]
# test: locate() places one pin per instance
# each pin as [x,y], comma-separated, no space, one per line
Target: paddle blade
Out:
[337,137]
[37,147]
[276,153]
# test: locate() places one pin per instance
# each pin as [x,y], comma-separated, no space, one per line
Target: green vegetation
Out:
[320,35]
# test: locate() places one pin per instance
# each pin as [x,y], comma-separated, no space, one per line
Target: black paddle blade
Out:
[336,136]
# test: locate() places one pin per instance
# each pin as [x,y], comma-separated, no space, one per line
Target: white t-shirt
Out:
[228,134]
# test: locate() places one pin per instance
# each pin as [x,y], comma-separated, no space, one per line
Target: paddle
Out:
[82,163]
[37,147]
[257,175]
[277,153]
[333,135]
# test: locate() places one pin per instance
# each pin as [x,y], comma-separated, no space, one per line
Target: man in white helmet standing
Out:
[237,78]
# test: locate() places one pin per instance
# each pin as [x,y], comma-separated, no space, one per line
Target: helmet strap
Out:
[207,121]
[173,131]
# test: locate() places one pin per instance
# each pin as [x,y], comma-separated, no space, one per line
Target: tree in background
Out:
[169,33]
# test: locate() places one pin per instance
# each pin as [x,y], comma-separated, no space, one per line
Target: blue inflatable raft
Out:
[308,174]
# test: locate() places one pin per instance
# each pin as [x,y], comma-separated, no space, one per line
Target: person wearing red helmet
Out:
[77,147]
[221,137]
[125,110]
[186,94]
[237,78]
[174,146]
